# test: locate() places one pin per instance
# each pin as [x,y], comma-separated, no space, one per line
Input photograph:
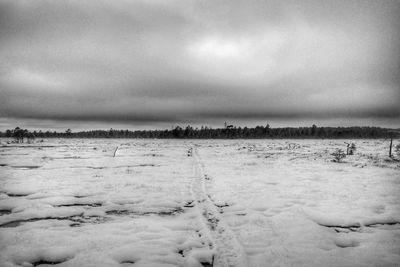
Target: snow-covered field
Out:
[69,202]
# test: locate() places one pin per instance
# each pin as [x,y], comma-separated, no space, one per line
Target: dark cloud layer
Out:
[149,62]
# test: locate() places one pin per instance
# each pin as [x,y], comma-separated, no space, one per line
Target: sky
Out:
[160,63]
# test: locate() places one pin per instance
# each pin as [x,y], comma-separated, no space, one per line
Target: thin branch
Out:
[115,151]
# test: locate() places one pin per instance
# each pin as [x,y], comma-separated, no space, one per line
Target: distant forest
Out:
[229,132]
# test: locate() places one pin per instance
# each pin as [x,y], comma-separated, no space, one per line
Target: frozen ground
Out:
[231,203]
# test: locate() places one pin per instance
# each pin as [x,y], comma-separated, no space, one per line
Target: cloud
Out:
[168,61]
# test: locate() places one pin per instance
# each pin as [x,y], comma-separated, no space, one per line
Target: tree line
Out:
[204,132]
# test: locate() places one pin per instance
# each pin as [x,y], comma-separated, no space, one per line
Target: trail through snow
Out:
[228,250]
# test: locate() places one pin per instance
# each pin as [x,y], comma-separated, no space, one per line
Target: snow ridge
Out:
[228,250]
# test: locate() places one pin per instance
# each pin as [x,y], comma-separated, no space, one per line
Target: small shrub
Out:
[339,155]
[352,149]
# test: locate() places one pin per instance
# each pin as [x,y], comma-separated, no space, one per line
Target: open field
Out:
[70,202]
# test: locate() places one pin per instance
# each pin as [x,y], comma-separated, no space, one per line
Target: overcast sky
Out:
[157,63]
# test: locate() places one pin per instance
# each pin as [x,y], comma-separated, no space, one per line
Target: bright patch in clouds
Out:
[253,58]
[219,48]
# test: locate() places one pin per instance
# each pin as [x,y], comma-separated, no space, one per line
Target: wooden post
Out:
[390,148]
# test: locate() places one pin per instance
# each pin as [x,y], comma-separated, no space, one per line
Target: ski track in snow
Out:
[229,251]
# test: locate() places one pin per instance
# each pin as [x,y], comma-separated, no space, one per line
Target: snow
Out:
[70,202]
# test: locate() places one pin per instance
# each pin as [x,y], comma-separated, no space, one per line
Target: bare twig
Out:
[115,151]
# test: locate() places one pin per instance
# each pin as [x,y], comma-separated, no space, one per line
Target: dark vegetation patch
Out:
[387,226]
[42,262]
[119,212]
[12,224]
[116,167]
[343,228]
[168,212]
[224,205]
[3,212]
[346,229]
[77,219]
[357,227]
[189,204]
[3,164]
[146,165]
[95,168]
[208,264]
[127,262]
[153,155]
[16,195]
[80,205]
[380,224]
